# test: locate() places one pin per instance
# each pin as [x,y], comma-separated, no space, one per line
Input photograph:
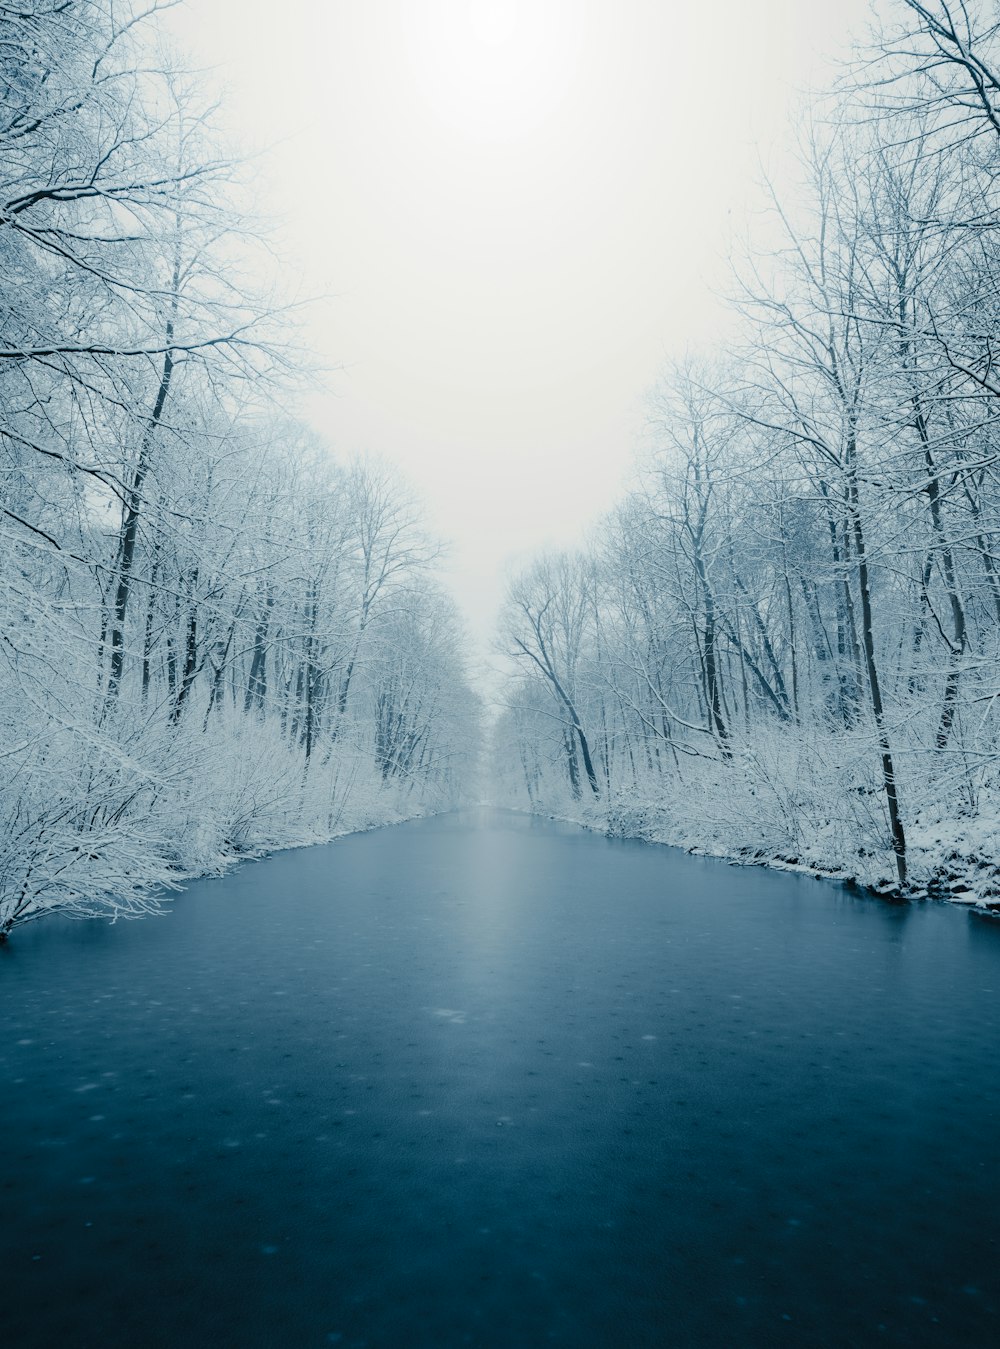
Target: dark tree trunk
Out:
[868,641]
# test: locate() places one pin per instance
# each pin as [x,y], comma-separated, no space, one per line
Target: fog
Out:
[514,214]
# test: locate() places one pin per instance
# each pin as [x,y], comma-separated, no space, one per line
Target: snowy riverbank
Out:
[956,859]
[196,806]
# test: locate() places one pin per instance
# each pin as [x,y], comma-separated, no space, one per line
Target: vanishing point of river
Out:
[483,1080]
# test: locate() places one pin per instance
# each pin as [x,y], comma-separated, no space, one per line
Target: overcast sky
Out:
[517,209]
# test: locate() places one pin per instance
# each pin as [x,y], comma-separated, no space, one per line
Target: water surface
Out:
[483,1080]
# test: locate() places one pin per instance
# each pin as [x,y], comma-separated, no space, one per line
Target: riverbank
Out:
[956,860]
[188,816]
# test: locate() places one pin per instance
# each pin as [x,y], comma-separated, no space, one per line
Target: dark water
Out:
[487,1081]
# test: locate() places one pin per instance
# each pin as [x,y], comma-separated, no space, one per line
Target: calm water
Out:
[490,1081]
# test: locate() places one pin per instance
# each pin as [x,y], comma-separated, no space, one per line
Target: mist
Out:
[515,213]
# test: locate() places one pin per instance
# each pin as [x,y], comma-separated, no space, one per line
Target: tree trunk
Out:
[133,506]
[868,644]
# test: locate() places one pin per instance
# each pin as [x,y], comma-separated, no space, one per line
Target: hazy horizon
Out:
[516,214]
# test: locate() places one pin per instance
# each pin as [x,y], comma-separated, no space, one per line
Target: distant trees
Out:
[200,612]
[546,621]
[793,651]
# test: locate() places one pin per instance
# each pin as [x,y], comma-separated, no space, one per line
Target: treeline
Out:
[213,639]
[784,643]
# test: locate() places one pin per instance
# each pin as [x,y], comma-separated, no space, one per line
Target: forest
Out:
[220,637]
[501,556]
[216,637]
[782,645]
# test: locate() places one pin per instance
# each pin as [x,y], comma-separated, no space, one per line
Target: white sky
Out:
[518,209]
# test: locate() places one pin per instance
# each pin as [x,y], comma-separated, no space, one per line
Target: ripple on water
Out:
[502,1085]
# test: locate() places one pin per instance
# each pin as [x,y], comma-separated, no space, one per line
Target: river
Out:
[488,1080]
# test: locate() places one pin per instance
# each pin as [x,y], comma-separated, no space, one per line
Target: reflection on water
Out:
[491,1080]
